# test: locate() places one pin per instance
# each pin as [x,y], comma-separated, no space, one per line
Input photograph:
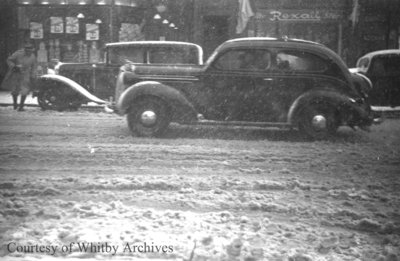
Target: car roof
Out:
[148,43]
[261,41]
[255,42]
[381,52]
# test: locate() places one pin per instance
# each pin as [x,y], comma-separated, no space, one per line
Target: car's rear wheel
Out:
[318,121]
[149,117]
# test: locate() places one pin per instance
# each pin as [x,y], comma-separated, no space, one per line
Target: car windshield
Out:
[181,54]
[386,66]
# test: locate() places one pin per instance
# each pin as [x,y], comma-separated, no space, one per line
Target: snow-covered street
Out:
[78,185]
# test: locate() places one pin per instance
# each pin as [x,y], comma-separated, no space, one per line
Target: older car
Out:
[73,84]
[248,81]
[383,69]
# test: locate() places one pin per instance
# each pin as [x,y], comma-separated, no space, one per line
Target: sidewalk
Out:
[6,100]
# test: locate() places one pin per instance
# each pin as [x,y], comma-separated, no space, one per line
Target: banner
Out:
[92,32]
[245,13]
[56,25]
[36,30]
[72,25]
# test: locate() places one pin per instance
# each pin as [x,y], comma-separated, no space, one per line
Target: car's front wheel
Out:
[52,99]
[318,121]
[149,117]
[56,98]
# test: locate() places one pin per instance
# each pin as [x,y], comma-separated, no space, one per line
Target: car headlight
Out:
[128,68]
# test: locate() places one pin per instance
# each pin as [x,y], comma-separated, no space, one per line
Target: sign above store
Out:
[298,16]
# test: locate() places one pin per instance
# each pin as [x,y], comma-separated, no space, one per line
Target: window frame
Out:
[244,50]
[326,61]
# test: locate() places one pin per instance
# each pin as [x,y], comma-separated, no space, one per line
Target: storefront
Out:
[77,30]
[322,26]
[321,21]
[377,26]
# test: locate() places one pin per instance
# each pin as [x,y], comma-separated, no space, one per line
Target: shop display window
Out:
[79,2]
[102,2]
[126,2]
[26,2]
[51,2]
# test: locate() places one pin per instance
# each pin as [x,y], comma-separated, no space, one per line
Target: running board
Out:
[241,123]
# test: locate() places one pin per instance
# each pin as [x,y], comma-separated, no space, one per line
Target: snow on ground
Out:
[76,185]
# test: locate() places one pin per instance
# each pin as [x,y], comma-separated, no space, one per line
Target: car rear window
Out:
[173,55]
[122,55]
[300,62]
[154,55]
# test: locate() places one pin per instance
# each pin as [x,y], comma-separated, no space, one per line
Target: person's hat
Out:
[29,46]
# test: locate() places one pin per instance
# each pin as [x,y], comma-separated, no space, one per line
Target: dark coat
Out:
[22,69]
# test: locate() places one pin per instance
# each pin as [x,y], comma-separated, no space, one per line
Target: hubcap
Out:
[148,118]
[319,122]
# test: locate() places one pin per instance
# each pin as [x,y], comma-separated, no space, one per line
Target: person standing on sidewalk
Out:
[22,72]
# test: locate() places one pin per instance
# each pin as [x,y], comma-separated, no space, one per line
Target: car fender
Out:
[47,79]
[344,104]
[182,109]
[362,83]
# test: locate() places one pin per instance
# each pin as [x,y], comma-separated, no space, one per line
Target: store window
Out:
[79,2]
[132,3]
[25,2]
[102,2]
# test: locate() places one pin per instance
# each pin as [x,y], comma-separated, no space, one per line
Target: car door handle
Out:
[268,79]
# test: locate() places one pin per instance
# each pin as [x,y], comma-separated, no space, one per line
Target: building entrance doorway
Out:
[216,31]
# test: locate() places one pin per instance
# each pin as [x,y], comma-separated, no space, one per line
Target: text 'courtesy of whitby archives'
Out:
[85,247]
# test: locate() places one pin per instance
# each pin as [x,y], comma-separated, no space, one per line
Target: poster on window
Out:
[92,32]
[36,30]
[56,25]
[72,25]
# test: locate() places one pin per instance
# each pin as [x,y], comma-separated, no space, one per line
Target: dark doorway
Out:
[7,35]
[216,31]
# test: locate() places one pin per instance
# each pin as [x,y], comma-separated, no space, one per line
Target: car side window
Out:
[300,61]
[244,60]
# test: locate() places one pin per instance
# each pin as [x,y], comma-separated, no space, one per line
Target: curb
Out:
[96,108]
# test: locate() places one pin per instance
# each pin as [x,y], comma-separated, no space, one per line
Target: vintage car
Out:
[383,69]
[248,81]
[73,84]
